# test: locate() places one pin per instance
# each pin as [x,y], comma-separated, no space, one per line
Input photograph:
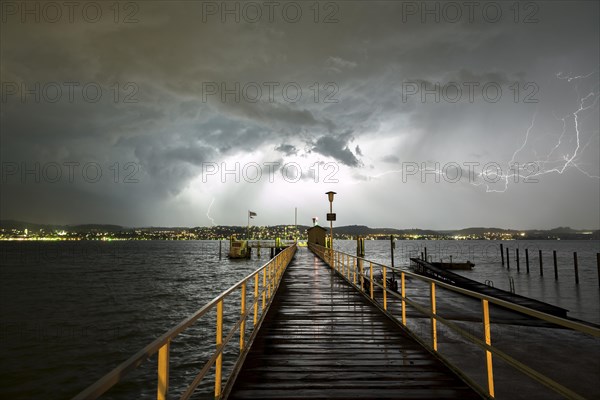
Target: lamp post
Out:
[330,218]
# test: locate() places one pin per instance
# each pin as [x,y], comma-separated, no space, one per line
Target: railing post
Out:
[433,320]
[348,266]
[403,294]
[163,371]
[219,361]
[264,289]
[371,278]
[242,312]
[255,300]
[273,273]
[269,281]
[384,288]
[354,271]
[335,260]
[272,277]
[488,341]
[348,269]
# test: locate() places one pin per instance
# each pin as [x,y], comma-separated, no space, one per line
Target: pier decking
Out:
[322,339]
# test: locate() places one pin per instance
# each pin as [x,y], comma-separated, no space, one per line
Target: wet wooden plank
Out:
[321,339]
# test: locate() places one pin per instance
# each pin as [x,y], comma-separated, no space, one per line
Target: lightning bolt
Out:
[208,212]
[569,78]
[544,165]
[567,160]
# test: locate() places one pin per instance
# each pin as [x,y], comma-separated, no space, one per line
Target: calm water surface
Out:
[70,312]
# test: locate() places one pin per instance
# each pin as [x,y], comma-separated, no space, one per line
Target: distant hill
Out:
[12,224]
[478,231]
[563,230]
[365,230]
[347,230]
[96,227]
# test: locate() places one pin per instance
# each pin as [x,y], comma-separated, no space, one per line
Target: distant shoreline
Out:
[18,230]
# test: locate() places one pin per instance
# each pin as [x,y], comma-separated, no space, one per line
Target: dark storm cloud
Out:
[171,55]
[287,149]
[337,147]
[171,161]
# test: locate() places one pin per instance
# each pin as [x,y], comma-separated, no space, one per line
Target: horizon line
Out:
[339,226]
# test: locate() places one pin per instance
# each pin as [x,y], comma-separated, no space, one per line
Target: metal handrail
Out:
[271,272]
[342,264]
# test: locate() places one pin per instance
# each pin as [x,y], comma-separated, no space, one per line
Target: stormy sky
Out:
[436,115]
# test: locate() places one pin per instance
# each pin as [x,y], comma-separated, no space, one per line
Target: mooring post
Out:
[507,259]
[425,248]
[422,258]
[392,246]
[220,244]
[541,264]
[575,267]
[598,266]
[517,251]
[555,265]
[527,259]
[362,246]
[360,253]
[502,253]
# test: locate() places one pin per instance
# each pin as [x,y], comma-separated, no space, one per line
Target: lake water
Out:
[72,311]
[582,300]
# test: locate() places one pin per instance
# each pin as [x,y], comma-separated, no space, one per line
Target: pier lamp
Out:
[330,218]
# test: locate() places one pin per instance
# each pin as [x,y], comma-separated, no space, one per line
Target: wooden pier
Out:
[319,324]
[323,339]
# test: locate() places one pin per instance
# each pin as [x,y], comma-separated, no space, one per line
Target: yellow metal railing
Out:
[348,266]
[271,274]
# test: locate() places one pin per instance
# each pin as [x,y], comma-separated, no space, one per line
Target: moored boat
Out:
[238,248]
[454,265]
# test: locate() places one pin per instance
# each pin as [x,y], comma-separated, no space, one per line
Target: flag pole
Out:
[248,228]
